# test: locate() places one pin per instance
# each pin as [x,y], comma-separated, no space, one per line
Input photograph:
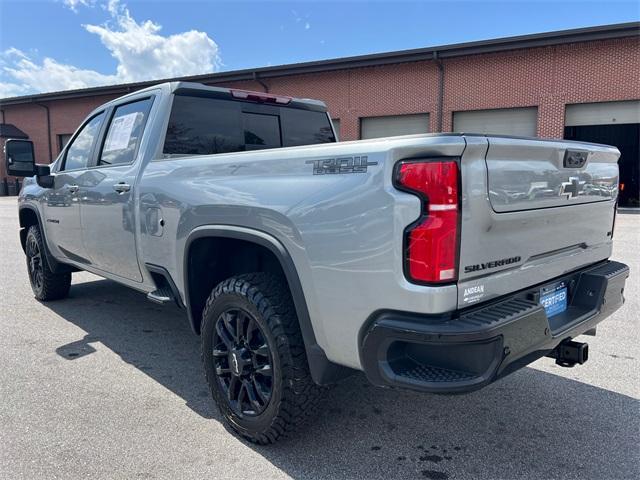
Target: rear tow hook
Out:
[570,353]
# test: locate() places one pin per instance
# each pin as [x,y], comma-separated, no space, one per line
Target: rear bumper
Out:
[466,350]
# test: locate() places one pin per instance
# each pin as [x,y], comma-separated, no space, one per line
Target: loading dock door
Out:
[611,123]
[503,121]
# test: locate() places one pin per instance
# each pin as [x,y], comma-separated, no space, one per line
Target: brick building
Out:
[579,84]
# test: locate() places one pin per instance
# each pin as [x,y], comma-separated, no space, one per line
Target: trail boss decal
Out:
[491,264]
[340,165]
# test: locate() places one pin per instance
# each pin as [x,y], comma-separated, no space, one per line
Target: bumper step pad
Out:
[430,374]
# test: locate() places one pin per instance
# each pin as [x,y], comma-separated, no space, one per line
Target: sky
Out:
[58,45]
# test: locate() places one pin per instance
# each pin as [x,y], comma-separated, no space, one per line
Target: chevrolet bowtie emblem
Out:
[572,188]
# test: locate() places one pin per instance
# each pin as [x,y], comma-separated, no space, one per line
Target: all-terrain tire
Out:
[294,395]
[45,284]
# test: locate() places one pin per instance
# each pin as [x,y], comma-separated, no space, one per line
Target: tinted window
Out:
[261,131]
[79,151]
[304,127]
[200,126]
[125,132]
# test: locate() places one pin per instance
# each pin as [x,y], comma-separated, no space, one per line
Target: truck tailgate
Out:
[532,210]
[525,175]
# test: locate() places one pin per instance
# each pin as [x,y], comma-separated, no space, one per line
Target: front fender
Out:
[29,215]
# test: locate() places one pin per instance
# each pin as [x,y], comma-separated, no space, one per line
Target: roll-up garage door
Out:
[376,127]
[605,113]
[503,121]
[611,123]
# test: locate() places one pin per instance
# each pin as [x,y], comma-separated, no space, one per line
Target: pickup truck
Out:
[438,263]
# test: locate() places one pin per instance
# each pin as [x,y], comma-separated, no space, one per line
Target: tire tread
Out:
[54,285]
[300,394]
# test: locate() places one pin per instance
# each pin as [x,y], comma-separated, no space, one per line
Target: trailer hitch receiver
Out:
[570,353]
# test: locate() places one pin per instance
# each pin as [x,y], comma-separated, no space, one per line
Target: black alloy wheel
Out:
[34,263]
[242,361]
[254,357]
[45,283]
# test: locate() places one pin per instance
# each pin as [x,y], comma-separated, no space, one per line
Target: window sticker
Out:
[120,132]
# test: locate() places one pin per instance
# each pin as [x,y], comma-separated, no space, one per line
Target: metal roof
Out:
[602,32]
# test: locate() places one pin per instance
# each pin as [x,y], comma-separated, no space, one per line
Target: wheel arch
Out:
[28,215]
[221,238]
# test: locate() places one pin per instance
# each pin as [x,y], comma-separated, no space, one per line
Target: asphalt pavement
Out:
[105,384]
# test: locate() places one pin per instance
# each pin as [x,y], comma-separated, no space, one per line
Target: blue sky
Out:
[56,45]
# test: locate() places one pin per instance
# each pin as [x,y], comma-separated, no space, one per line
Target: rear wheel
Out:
[254,357]
[45,284]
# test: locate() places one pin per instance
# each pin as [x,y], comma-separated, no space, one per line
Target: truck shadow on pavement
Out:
[531,424]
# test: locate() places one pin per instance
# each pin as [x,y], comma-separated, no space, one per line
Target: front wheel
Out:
[254,357]
[45,284]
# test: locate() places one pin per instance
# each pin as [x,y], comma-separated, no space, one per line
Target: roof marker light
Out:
[260,97]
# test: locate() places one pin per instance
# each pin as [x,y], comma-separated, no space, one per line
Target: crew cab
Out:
[438,263]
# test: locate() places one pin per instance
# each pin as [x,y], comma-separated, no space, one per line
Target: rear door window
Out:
[201,126]
[125,132]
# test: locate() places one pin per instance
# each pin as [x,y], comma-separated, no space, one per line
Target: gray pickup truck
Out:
[438,263]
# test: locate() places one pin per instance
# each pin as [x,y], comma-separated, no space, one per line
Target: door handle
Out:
[122,187]
[73,188]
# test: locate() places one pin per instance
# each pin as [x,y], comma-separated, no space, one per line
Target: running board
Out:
[166,291]
[161,296]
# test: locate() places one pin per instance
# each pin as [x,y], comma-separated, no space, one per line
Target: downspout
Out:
[264,85]
[46,107]
[2,112]
[440,112]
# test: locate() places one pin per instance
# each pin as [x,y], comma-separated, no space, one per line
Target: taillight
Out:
[431,243]
[260,97]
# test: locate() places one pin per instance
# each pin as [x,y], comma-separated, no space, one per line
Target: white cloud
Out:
[114,7]
[141,51]
[74,4]
[10,90]
[49,75]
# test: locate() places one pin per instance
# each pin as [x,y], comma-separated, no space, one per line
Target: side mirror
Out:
[20,158]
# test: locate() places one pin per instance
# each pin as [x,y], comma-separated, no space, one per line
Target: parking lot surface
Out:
[105,384]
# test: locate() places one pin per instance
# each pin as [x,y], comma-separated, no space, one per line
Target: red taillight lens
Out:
[432,243]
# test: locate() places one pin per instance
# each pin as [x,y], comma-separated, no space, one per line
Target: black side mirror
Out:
[19,157]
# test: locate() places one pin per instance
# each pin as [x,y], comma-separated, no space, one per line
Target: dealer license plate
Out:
[554,299]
